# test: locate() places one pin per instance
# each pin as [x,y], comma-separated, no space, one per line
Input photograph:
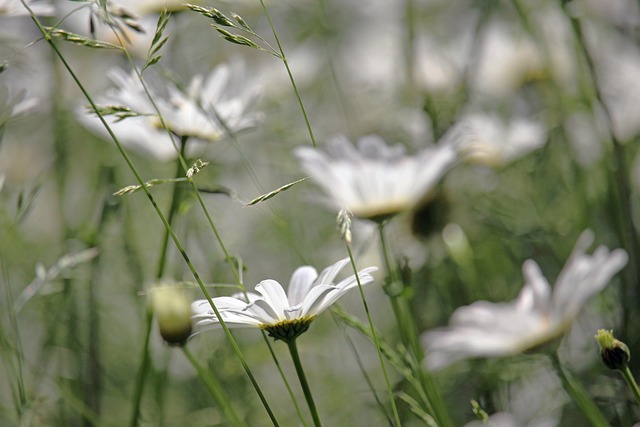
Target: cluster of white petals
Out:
[201,111]
[375,180]
[309,294]
[538,315]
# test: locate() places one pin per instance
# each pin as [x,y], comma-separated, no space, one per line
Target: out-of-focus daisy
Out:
[538,315]
[283,315]
[509,57]
[16,8]
[196,112]
[375,181]
[485,138]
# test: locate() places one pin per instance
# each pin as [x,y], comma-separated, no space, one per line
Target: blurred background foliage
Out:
[407,70]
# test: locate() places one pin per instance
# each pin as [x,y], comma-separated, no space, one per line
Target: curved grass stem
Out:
[215,388]
[578,394]
[293,82]
[392,401]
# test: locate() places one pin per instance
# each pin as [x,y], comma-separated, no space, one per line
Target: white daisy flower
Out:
[538,315]
[197,112]
[283,315]
[375,181]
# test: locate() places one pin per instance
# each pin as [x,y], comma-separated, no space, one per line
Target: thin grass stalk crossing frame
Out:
[293,82]
[392,401]
[158,211]
[215,388]
[162,262]
[578,394]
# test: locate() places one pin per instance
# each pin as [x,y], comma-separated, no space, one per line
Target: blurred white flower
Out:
[375,181]
[283,316]
[486,138]
[509,57]
[197,112]
[538,315]
[16,8]
[438,67]
[617,64]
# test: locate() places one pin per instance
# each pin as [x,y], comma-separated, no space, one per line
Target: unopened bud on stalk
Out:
[614,353]
[172,311]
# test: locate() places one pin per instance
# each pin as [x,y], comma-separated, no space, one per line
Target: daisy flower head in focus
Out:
[202,111]
[538,315]
[373,180]
[284,316]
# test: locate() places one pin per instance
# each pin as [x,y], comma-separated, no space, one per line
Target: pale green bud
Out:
[172,311]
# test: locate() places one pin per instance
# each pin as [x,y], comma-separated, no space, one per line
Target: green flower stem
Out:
[631,381]
[392,400]
[293,349]
[142,372]
[626,228]
[144,367]
[579,395]
[409,331]
[175,239]
[173,207]
[215,388]
[293,82]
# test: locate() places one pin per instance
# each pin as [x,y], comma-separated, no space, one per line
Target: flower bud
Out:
[172,311]
[614,353]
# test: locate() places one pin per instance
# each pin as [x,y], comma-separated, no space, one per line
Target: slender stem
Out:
[19,392]
[409,332]
[293,349]
[293,82]
[409,44]
[215,388]
[396,415]
[284,379]
[158,212]
[631,381]
[142,372]
[579,395]
[173,207]
[144,368]
[408,329]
